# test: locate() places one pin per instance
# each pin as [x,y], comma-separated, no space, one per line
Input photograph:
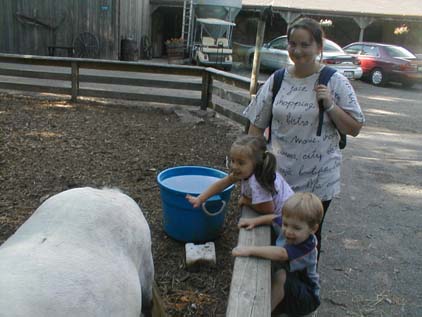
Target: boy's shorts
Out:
[298,298]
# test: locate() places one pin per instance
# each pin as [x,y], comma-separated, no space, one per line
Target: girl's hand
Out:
[244,201]
[247,223]
[240,251]
[195,201]
[324,94]
[233,177]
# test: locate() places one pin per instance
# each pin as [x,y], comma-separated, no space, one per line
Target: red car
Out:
[382,63]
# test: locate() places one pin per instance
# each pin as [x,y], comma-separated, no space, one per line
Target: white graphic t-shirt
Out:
[308,162]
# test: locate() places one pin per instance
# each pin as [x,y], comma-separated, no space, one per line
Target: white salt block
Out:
[200,254]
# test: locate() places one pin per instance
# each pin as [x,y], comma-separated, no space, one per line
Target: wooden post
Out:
[75,81]
[260,32]
[250,289]
[206,89]
[363,23]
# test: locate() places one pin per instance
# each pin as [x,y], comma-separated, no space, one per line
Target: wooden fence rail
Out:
[250,289]
[186,85]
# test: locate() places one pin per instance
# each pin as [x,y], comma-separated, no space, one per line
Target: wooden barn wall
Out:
[134,19]
[30,26]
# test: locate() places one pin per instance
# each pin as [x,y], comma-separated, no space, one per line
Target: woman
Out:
[308,162]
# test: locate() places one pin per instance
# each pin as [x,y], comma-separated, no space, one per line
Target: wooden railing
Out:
[182,85]
[250,289]
[224,92]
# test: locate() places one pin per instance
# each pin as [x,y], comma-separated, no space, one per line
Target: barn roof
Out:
[391,8]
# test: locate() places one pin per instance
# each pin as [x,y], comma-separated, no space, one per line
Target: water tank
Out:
[218,9]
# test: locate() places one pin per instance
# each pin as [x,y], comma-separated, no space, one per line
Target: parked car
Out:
[382,63]
[274,55]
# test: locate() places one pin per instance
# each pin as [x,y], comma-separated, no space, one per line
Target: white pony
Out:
[84,252]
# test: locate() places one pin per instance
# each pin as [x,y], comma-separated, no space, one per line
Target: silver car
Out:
[274,55]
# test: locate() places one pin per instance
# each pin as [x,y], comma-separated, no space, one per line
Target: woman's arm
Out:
[214,189]
[273,253]
[344,122]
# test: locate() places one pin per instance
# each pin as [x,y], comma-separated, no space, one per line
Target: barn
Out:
[104,29]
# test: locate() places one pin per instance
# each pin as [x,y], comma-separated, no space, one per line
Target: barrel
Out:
[129,50]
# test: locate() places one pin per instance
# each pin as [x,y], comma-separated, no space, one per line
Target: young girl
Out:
[262,188]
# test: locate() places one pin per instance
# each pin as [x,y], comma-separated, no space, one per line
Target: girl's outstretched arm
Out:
[249,223]
[214,189]
[264,208]
[273,253]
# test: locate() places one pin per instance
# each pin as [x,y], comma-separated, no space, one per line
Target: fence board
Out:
[250,289]
[140,97]
[140,82]
[228,78]
[35,88]
[34,74]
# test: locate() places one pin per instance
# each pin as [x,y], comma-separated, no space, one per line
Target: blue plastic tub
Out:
[183,222]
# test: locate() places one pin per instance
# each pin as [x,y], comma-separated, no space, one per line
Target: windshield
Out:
[331,47]
[397,51]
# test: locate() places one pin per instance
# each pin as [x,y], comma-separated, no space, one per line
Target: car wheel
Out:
[377,77]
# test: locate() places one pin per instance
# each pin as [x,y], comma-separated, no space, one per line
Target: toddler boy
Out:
[295,284]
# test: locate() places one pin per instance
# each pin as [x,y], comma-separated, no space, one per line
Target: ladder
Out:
[187,20]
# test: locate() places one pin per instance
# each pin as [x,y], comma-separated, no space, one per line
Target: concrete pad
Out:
[198,254]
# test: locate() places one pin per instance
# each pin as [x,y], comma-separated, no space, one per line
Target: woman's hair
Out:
[310,25]
[255,147]
[306,207]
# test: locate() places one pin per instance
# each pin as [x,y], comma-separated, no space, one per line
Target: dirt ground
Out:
[50,146]
[372,238]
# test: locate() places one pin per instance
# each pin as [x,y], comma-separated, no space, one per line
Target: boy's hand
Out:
[195,201]
[247,223]
[244,201]
[240,251]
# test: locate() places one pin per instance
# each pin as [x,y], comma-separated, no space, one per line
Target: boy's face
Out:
[296,231]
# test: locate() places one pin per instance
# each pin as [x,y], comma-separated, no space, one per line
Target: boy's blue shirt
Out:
[302,258]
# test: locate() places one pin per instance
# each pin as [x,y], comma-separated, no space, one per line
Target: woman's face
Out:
[302,48]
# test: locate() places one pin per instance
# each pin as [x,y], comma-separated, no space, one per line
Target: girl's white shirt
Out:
[258,194]
[309,163]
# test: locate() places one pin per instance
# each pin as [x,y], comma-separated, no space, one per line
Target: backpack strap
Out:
[278,79]
[324,77]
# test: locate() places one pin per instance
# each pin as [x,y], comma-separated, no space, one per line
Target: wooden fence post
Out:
[263,18]
[206,89]
[75,81]
[250,289]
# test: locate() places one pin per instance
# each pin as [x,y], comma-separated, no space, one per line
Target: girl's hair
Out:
[310,25]
[255,147]
[306,207]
